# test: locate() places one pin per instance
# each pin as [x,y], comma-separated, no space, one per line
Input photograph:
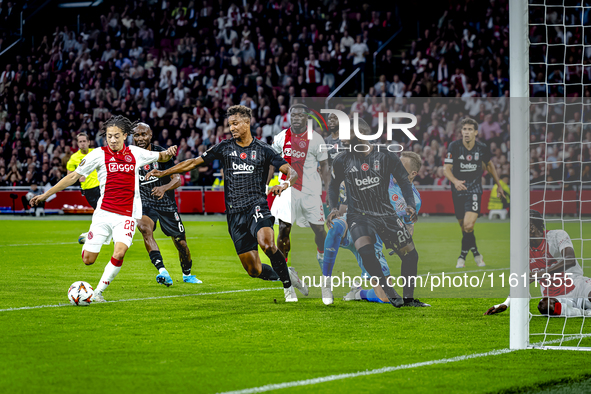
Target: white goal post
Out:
[519,137]
[561,82]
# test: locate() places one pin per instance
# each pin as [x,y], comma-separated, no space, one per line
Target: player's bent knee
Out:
[406,250]
[254,272]
[88,258]
[468,227]
[268,248]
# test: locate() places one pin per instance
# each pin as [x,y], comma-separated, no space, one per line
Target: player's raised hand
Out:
[412,214]
[496,309]
[171,151]
[37,200]
[460,185]
[159,192]
[154,173]
[334,214]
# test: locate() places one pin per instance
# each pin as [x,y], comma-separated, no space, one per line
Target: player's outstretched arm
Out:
[498,308]
[490,167]
[167,154]
[175,182]
[180,168]
[66,181]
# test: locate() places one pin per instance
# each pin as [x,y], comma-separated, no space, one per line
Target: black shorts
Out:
[391,229]
[244,226]
[466,203]
[170,222]
[92,195]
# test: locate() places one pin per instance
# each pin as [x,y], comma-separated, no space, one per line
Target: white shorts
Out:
[580,294]
[106,225]
[295,207]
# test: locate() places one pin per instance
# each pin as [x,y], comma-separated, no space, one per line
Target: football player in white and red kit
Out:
[120,205]
[552,255]
[302,203]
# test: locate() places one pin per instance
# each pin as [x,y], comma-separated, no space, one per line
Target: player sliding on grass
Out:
[366,172]
[158,203]
[463,167]
[246,163]
[568,291]
[120,205]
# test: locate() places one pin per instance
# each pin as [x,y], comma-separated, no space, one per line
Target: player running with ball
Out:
[246,163]
[463,167]
[120,205]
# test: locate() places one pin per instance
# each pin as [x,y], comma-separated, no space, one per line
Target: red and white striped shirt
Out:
[118,177]
[303,156]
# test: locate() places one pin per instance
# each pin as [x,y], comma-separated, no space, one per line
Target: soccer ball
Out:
[80,293]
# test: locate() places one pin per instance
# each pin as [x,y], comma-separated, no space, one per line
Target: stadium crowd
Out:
[178,65]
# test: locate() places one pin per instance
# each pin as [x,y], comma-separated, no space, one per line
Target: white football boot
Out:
[297,282]
[290,294]
[479,261]
[326,285]
[461,263]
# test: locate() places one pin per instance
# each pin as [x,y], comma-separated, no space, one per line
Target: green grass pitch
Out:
[199,342]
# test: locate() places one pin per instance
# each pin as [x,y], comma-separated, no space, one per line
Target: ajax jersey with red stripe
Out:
[118,177]
[303,155]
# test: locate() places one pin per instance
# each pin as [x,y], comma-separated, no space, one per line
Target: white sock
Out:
[109,274]
[160,270]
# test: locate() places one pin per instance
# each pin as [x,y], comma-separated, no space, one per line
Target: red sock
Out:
[115,262]
[320,251]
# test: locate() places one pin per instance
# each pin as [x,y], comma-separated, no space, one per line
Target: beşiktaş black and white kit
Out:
[245,172]
[168,202]
[468,165]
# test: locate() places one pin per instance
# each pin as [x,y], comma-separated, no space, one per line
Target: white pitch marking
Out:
[307,382]
[142,299]
[324,379]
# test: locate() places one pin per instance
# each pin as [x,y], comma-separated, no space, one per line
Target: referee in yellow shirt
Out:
[90,184]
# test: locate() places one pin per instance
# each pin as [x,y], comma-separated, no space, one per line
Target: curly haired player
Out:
[120,205]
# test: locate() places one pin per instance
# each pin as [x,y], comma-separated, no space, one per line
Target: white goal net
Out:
[559,118]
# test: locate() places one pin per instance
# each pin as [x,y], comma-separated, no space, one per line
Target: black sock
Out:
[268,273]
[473,247]
[186,267]
[409,268]
[156,258]
[465,245]
[374,268]
[280,267]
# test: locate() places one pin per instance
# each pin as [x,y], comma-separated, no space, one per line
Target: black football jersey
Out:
[367,180]
[468,165]
[245,171]
[168,202]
